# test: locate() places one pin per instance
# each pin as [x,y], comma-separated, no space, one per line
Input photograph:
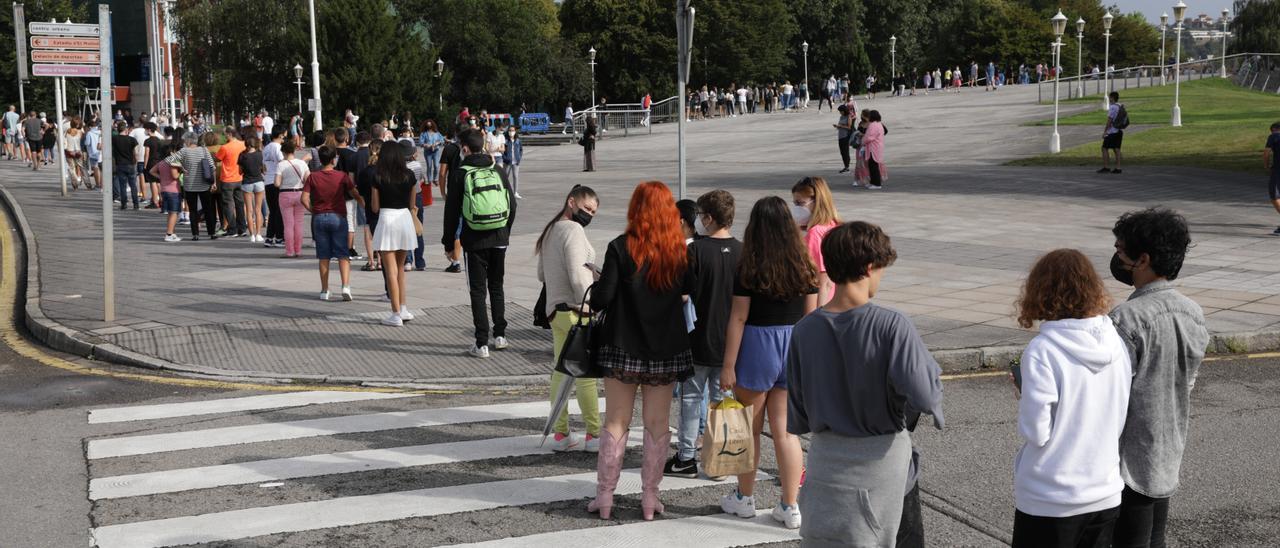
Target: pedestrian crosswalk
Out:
[151,494]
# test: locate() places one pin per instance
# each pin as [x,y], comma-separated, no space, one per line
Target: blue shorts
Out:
[170,202]
[762,357]
[254,187]
[330,233]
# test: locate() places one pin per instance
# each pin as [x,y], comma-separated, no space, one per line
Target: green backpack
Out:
[484,199]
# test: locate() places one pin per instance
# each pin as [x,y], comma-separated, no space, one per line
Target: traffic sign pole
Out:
[104,116]
[57,123]
[19,34]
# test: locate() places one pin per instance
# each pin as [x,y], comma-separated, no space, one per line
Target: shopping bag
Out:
[727,445]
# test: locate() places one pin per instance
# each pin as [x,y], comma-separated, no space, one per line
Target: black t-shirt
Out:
[767,311]
[713,265]
[1273,143]
[395,194]
[122,151]
[451,155]
[156,146]
[251,166]
[347,162]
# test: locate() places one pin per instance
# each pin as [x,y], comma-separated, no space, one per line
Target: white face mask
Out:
[701,227]
[801,214]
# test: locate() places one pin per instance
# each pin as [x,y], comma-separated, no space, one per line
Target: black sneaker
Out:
[677,468]
[1276,231]
[454,268]
[1104,170]
[1115,172]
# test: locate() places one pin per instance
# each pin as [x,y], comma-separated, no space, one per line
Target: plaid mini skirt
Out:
[618,364]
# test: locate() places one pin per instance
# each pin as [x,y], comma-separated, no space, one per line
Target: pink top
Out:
[813,241]
[873,141]
[164,172]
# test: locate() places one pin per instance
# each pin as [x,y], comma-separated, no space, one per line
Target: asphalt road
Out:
[1228,496]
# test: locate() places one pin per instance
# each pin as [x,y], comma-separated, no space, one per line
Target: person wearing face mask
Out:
[567,267]
[688,220]
[713,263]
[813,194]
[1165,334]
[512,154]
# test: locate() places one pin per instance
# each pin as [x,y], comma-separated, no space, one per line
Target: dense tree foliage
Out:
[38,90]
[378,56]
[1256,28]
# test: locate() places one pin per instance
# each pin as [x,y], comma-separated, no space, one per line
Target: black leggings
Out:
[873,167]
[1142,521]
[275,223]
[201,203]
[843,143]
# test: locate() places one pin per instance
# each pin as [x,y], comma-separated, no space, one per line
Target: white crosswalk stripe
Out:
[230,405]
[135,509]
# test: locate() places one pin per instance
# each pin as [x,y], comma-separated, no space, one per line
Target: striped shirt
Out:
[193,179]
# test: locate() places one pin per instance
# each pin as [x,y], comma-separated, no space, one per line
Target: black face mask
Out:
[1119,271]
[582,217]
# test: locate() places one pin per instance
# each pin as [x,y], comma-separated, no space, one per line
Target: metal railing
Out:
[1243,68]
[627,116]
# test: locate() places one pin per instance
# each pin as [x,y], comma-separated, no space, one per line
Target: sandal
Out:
[368,267]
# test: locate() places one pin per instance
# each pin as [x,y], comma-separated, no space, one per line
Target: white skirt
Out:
[395,231]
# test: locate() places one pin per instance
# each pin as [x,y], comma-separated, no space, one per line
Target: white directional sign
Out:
[64,29]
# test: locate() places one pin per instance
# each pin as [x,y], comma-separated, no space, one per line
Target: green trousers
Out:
[588,396]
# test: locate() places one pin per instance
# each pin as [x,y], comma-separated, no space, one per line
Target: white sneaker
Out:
[346,293]
[788,517]
[405,315]
[564,442]
[324,295]
[874,187]
[738,505]
[501,343]
[592,445]
[519,197]
[172,238]
[479,351]
[393,320]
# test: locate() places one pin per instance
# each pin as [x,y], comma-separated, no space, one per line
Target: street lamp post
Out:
[440,82]
[1164,25]
[591,55]
[804,47]
[297,73]
[1080,55]
[315,67]
[1179,12]
[1225,13]
[893,64]
[1106,60]
[1059,22]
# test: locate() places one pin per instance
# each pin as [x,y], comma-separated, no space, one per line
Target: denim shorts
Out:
[171,202]
[250,188]
[762,357]
[330,233]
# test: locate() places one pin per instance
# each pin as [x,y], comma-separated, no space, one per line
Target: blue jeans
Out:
[329,230]
[415,258]
[125,180]
[693,407]
[433,165]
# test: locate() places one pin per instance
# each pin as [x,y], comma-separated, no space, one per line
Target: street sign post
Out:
[108,226]
[19,34]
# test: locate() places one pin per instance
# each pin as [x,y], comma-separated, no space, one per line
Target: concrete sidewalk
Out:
[966,233]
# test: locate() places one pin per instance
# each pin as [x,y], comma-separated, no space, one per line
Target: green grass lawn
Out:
[1223,127]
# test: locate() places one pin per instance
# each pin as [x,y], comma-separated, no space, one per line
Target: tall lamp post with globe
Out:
[1179,12]
[297,73]
[440,81]
[1225,13]
[893,64]
[1164,63]
[1059,22]
[1080,55]
[804,47]
[1106,61]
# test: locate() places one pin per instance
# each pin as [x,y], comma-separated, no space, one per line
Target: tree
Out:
[836,37]
[635,43]
[1256,27]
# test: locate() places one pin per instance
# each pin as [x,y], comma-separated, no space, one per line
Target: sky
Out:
[1153,8]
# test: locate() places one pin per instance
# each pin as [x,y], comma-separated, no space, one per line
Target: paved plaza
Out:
[966,228]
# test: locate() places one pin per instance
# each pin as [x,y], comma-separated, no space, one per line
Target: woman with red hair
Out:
[644,341]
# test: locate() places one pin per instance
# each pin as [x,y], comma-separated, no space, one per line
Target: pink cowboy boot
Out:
[655,455]
[608,467]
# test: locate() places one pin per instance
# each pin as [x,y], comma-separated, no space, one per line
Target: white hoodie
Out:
[1075,396]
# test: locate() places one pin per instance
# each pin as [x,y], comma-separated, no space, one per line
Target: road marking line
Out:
[229,405]
[187,479]
[254,433]
[714,531]
[357,510]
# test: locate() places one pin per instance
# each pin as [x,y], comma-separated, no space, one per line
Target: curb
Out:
[64,339]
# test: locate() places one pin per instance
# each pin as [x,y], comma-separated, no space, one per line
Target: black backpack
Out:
[1122,118]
